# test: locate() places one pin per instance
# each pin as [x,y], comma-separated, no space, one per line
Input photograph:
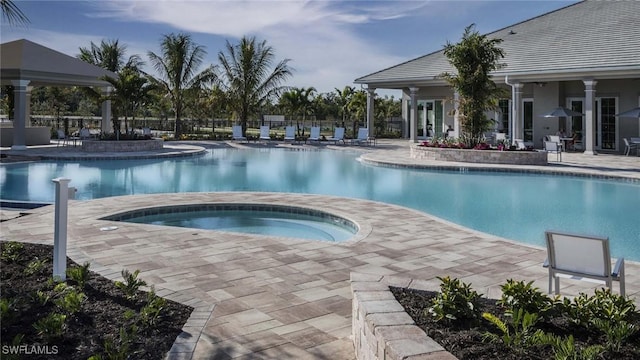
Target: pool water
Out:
[518,206]
[254,222]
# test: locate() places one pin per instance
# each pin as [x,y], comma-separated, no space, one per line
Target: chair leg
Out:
[557,281]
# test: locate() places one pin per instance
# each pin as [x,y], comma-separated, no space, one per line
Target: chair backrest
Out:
[264,131]
[146,131]
[85,133]
[501,136]
[626,142]
[315,132]
[554,138]
[551,146]
[61,134]
[582,254]
[363,133]
[237,131]
[338,133]
[290,131]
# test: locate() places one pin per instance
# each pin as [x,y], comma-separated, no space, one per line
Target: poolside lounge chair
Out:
[63,139]
[553,147]
[237,133]
[338,135]
[628,146]
[581,257]
[290,134]
[315,134]
[264,133]
[363,137]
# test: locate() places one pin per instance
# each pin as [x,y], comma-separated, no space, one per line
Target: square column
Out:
[517,124]
[413,127]
[371,95]
[589,136]
[456,115]
[20,114]
[105,125]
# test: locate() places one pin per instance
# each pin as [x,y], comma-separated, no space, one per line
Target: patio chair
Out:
[236,133]
[290,134]
[363,137]
[556,139]
[314,135]
[581,257]
[628,146]
[264,133]
[63,139]
[553,147]
[146,131]
[338,135]
[520,145]
[85,134]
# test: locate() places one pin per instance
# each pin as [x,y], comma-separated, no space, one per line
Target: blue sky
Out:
[330,43]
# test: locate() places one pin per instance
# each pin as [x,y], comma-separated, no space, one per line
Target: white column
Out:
[589,116]
[60,229]
[456,116]
[413,127]
[19,113]
[27,104]
[517,123]
[371,95]
[105,126]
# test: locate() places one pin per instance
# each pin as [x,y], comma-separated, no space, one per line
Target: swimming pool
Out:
[512,205]
[264,219]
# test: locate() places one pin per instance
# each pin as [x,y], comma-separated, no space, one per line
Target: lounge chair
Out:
[237,133]
[363,137]
[581,257]
[338,135]
[264,133]
[146,131]
[290,134]
[553,147]
[85,134]
[63,139]
[314,135]
[556,139]
[628,146]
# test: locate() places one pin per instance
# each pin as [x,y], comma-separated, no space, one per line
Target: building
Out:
[585,57]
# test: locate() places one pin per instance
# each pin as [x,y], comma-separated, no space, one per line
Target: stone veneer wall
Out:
[480,156]
[121,145]
[381,329]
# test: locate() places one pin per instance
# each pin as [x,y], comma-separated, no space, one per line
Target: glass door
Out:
[527,117]
[606,124]
[576,124]
[425,116]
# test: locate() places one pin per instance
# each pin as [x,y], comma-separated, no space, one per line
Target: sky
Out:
[329,43]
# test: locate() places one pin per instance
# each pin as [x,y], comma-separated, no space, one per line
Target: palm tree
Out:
[358,107]
[177,66]
[343,99]
[131,91]
[474,58]
[110,55]
[247,76]
[12,13]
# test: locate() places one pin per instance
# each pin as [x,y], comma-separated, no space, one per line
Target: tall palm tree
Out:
[131,90]
[12,13]
[248,78]
[343,99]
[110,55]
[177,66]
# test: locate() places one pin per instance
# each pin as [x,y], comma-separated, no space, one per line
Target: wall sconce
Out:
[540,84]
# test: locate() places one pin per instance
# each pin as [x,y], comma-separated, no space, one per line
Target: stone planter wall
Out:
[121,145]
[480,156]
[381,329]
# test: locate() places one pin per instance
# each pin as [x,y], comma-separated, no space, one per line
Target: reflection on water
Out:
[515,206]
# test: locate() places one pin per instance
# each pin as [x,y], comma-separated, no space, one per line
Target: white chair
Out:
[338,135]
[62,138]
[553,147]
[520,145]
[146,131]
[581,257]
[500,137]
[628,146]
[363,137]
[237,133]
[314,135]
[85,134]
[264,133]
[556,139]
[290,134]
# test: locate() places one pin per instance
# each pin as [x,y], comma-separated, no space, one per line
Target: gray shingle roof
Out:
[586,36]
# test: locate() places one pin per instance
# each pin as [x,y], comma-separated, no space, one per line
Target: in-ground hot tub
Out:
[263,219]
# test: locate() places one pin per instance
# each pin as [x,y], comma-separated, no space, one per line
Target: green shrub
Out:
[79,274]
[118,348]
[51,326]
[71,301]
[34,266]
[131,283]
[6,310]
[566,349]
[11,251]
[615,333]
[603,305]
[519,335]
[521,295]
[456,301]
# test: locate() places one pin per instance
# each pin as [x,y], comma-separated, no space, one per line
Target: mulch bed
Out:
[101,317]
[465,341]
